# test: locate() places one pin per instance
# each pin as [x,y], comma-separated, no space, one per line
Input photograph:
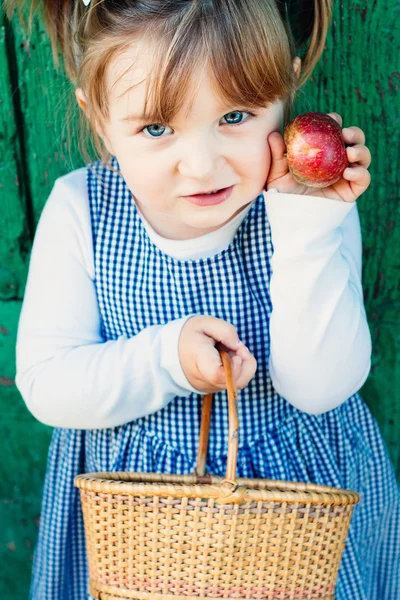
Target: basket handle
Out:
[233,439]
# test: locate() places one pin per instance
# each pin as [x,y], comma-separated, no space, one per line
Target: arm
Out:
[320,340]
[68,375]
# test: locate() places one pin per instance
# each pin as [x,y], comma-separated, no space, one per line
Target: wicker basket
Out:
[174,537]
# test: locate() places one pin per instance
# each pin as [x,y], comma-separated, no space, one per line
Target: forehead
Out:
[128,74]
[129,69]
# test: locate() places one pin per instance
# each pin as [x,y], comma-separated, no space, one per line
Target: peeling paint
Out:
[4,381]
[358,92]
[394,88]
[380,92]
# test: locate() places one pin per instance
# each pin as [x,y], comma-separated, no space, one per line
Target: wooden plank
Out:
[47,98]
[14,230]
[24,443]
[382,388]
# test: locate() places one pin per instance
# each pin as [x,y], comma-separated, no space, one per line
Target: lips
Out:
[209,192]
[210,199]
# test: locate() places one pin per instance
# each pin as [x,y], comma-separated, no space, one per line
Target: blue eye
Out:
[239,113]
[159,129]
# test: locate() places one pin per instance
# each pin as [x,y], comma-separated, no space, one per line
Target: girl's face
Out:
[215,146]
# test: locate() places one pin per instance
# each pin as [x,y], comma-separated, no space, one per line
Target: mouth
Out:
[211,198]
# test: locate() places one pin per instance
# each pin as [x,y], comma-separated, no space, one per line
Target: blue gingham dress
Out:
[139,286]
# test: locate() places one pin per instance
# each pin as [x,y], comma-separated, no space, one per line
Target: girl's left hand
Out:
[354,181]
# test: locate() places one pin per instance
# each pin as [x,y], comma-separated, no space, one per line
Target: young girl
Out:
[139,267]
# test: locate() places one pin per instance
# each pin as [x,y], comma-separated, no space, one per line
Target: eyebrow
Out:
[134,118]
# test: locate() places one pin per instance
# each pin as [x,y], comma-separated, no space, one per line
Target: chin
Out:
[207,221]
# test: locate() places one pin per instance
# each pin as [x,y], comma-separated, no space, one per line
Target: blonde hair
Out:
[249,45]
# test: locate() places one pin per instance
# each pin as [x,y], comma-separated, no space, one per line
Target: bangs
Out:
[247,52]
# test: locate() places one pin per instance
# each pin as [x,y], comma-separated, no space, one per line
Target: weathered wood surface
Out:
[358,77]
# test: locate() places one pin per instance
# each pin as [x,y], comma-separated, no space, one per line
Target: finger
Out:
[353,135]
[248,369]
[220,331]
[359,154]
[210,367]
[213,371]
[244,367]
[236,367]
[279,164]
[237,373]
[337,117]
[242,355]
[359,177]
[243,352]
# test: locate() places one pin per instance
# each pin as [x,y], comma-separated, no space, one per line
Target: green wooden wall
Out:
[358,77]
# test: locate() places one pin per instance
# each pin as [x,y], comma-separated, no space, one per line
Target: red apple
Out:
[316,152]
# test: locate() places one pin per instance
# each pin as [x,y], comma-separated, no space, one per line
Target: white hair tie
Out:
[86,2]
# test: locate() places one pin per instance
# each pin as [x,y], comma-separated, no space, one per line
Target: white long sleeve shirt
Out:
[70,377]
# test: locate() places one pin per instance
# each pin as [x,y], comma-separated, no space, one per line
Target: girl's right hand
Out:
[353,182]
[201,360]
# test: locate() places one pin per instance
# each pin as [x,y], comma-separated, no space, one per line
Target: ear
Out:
[81,99]
[83,104]
[297,65]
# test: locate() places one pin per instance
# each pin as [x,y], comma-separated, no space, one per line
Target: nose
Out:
[201,158]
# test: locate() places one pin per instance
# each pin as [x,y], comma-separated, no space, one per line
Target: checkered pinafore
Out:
[139,286]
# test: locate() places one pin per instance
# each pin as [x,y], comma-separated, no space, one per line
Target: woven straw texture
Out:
[158,536]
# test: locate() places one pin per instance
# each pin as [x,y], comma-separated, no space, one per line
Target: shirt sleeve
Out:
[320,343]
[67,374]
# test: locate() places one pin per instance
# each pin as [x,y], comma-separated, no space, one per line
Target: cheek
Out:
[143,166]
[257,160]
[146,179]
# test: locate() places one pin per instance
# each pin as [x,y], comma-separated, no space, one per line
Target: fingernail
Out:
[238,344]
